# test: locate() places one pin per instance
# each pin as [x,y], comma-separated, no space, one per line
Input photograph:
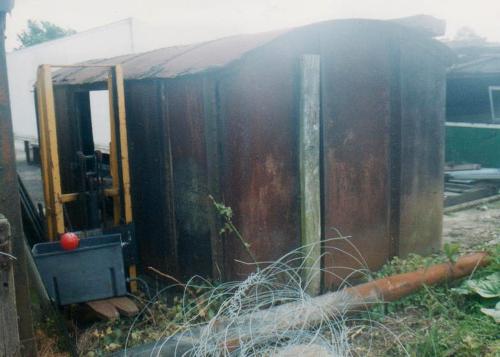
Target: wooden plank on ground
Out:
[475,193]
[309,156]
[104,309]
[125,306]
[461,167]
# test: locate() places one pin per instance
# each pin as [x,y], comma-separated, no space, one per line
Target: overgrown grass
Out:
[436,321]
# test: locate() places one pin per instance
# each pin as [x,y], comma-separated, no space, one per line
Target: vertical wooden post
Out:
[9,335]
[120,146]
[49,155]
[309,156]
[10,207]
[119,93]
[113,153]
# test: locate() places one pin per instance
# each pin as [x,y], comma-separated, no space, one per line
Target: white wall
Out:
[101,42]
[99,113]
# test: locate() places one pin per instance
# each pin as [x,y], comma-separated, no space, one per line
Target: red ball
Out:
[69,241]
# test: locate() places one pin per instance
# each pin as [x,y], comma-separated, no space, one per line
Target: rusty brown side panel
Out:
[151,183]
[422,149]
[356,109]
[259,133]
[185,113]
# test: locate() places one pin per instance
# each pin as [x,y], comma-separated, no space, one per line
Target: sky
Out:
[229,17]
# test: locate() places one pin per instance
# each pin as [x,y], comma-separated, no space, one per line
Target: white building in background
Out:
[118,38]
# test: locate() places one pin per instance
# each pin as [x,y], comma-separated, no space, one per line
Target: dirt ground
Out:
[478,225]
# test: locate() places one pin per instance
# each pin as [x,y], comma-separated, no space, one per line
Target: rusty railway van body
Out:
[222,119]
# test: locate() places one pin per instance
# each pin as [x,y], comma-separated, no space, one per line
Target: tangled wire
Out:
[270,313]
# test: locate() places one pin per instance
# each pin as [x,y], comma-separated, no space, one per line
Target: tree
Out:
[467,35]
[41,31]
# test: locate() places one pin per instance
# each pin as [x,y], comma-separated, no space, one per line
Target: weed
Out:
[451,250]
[226,213]
[444,322]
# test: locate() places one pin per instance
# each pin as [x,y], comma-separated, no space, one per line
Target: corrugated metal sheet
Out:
[480,66]
[171,62]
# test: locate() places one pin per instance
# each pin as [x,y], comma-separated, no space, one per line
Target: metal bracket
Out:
[6,257]
[129,243]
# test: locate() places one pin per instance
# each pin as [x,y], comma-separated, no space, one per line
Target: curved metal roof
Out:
[171,62]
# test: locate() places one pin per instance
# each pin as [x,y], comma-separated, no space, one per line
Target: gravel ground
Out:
[473,226]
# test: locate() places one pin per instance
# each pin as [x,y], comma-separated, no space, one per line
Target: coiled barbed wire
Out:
[253,317]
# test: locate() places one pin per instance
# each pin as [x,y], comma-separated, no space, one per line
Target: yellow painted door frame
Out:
[49,155]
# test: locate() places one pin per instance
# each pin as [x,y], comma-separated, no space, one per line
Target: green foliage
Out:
[451,251]
[446,320]
[428,345]
[495,312]
[41,31]
[411,263]
[226,213]
[494,265]
[487,287]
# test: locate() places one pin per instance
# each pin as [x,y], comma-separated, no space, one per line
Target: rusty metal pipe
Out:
[334,304]
[398,286]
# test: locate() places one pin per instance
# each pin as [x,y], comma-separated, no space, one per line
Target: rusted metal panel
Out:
[260,168]
[151,180]
[193,213]
[213,162]
[422,150]
[356,110]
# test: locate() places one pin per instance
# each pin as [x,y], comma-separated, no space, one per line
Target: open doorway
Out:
[99,113]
